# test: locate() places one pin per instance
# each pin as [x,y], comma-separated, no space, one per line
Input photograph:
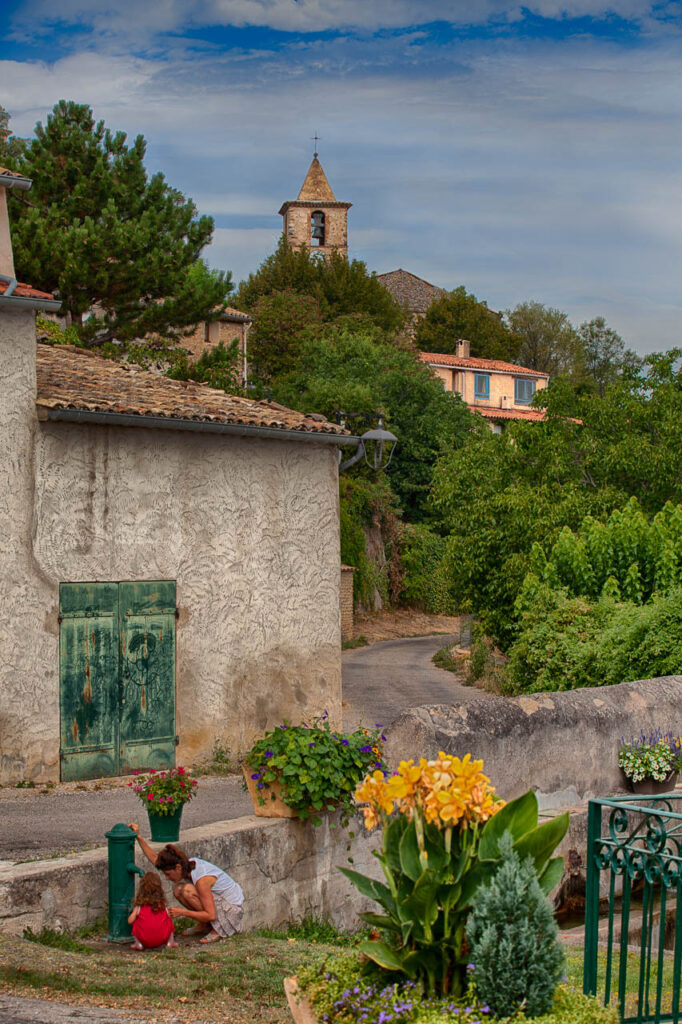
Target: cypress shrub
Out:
[512,936]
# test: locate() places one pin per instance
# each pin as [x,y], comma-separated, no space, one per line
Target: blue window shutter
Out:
[524,389]
[482,385]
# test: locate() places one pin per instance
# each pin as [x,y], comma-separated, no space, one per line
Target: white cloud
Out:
[129,18]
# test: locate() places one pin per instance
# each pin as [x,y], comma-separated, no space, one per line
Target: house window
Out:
[317,229]
[524,390]
[482,386]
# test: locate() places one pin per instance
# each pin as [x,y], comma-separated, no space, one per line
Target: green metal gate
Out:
[116,678]
[634,869]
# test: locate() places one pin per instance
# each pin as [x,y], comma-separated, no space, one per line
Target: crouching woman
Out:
[207,893]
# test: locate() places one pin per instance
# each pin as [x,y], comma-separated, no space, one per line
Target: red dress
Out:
[153,927]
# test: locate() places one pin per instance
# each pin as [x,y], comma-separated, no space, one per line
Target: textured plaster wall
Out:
[29,715]
[248,528]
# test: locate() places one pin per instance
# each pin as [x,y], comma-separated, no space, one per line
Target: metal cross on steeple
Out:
[315,139]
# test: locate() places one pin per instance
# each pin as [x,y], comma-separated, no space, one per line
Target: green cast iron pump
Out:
[122,871]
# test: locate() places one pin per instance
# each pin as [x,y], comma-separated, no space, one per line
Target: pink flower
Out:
[150,796]
[152,771]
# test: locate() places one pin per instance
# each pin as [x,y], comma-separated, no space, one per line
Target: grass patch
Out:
[443,658]
[314,929]
[239,979]
[357,641]
[574,974]
[57,940]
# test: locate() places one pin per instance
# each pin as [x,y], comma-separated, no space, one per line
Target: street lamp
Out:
[376,447]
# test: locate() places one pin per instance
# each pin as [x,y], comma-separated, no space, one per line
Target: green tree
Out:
[547,341]
[11,147]
[218,367]
[461,315]
[116,245]
[275,339]
[606,357]
[355,370]
[340,287]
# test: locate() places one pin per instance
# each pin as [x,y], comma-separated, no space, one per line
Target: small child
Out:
[152,924]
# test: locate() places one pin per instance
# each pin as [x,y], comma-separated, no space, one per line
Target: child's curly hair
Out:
[150,892]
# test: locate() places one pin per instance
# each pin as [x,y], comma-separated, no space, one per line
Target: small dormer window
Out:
[317,229]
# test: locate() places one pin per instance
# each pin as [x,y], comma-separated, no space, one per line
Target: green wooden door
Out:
[147,624]
[116,678]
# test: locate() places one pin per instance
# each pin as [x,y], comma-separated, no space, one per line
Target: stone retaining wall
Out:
[286,868]
[562,745]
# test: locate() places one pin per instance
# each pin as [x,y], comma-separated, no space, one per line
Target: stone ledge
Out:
[287,868]
[562,745]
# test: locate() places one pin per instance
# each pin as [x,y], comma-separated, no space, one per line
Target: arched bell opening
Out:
[317,222]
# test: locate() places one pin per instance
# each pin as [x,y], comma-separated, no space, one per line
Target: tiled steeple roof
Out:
[316,187]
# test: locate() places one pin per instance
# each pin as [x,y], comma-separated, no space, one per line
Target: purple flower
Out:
[269,753]
[485,1009]
[471,967]
[260,785]
[281,726]
[366,750]
[344,743]
[255,776]
[311,744]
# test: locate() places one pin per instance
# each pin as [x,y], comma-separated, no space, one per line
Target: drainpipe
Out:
[11,284]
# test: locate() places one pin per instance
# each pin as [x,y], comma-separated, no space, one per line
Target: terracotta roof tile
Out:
[509,414]
[230,311]
[474,363]
[73,378]
[409,290]
[25,291]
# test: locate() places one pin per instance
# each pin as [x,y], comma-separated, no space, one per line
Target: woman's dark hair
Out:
[150,892]
[171,856]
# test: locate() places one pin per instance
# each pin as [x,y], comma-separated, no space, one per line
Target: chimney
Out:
[8,179]
[463,348]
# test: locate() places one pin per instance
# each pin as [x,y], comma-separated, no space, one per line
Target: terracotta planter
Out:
[651,787]
[274,806]
[301,1010]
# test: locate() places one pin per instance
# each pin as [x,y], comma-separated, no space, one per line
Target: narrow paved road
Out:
[382,680]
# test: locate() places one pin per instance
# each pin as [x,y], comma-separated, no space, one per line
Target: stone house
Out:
[497,390]
[412,292]
[169,559]
[231,325]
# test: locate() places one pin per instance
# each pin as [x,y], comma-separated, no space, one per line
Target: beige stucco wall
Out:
[248,528]
[501,387]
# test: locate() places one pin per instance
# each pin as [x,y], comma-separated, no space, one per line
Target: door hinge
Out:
[177,613]
[177,741]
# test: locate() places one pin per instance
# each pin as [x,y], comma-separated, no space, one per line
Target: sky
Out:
[527,152]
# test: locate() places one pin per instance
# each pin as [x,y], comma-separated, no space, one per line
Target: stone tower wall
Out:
[297,228]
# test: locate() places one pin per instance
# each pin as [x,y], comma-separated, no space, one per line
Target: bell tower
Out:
[316,219]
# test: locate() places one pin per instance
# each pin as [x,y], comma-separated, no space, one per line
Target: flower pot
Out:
[650,787]
[301,1010]
[165,828]
[274,806]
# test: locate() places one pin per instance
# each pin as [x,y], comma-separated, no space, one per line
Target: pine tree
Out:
[512,938]
[111,241]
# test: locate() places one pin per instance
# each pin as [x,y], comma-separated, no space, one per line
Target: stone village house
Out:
[169,558]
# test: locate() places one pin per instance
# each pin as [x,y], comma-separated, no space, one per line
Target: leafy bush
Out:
[436,851]
[316,767]
[513,939]
[565,643]
[631,555]
[426,582]
[365,504]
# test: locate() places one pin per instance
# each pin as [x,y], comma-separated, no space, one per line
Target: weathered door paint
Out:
[117,677]
[147,631]
[88,680]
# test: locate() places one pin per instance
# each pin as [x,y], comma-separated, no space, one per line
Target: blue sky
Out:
[526,152]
